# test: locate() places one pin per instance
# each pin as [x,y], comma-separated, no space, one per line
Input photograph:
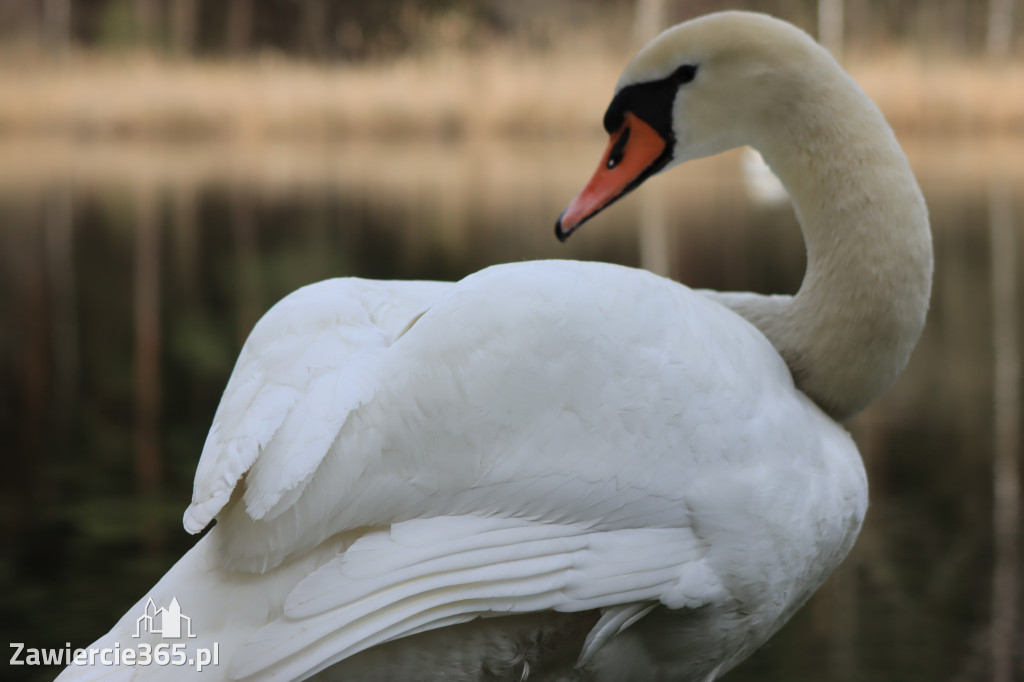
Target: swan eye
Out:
[650,101]
[684,74]
[618,149]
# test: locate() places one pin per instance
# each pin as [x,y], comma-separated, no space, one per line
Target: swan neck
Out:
[849,330]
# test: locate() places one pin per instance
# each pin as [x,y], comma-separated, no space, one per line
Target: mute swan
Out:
[560,469]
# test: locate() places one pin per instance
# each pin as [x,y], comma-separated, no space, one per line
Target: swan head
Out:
[700,88]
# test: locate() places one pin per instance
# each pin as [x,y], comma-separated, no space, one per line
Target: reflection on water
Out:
[129,277]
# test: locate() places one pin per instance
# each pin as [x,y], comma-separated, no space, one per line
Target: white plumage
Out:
[553,470]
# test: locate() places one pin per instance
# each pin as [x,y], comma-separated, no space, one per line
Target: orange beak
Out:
[635,152]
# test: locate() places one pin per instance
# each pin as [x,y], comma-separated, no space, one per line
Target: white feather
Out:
[392,583]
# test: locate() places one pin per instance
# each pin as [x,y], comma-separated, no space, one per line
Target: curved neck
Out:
[849,330]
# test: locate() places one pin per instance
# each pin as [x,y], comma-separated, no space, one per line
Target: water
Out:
[130,275]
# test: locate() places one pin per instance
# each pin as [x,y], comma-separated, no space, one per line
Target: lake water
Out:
[131,274]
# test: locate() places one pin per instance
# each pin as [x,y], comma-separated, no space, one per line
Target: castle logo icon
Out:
[164,622]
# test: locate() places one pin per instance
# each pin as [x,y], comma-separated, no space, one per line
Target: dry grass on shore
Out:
[495,92]
[945,95]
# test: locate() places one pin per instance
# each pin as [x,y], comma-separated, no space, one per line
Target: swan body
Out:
[564,470]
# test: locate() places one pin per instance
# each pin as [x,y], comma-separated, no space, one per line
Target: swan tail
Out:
[189,624]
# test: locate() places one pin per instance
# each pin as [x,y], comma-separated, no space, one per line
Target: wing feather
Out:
[613,620]
[416,575]
[313,359]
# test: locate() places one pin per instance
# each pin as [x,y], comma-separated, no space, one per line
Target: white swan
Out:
[559,469]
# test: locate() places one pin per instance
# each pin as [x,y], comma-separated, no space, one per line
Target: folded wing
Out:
[309,362]
[423,574]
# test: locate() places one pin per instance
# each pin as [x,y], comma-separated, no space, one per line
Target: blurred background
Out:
[171,168]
